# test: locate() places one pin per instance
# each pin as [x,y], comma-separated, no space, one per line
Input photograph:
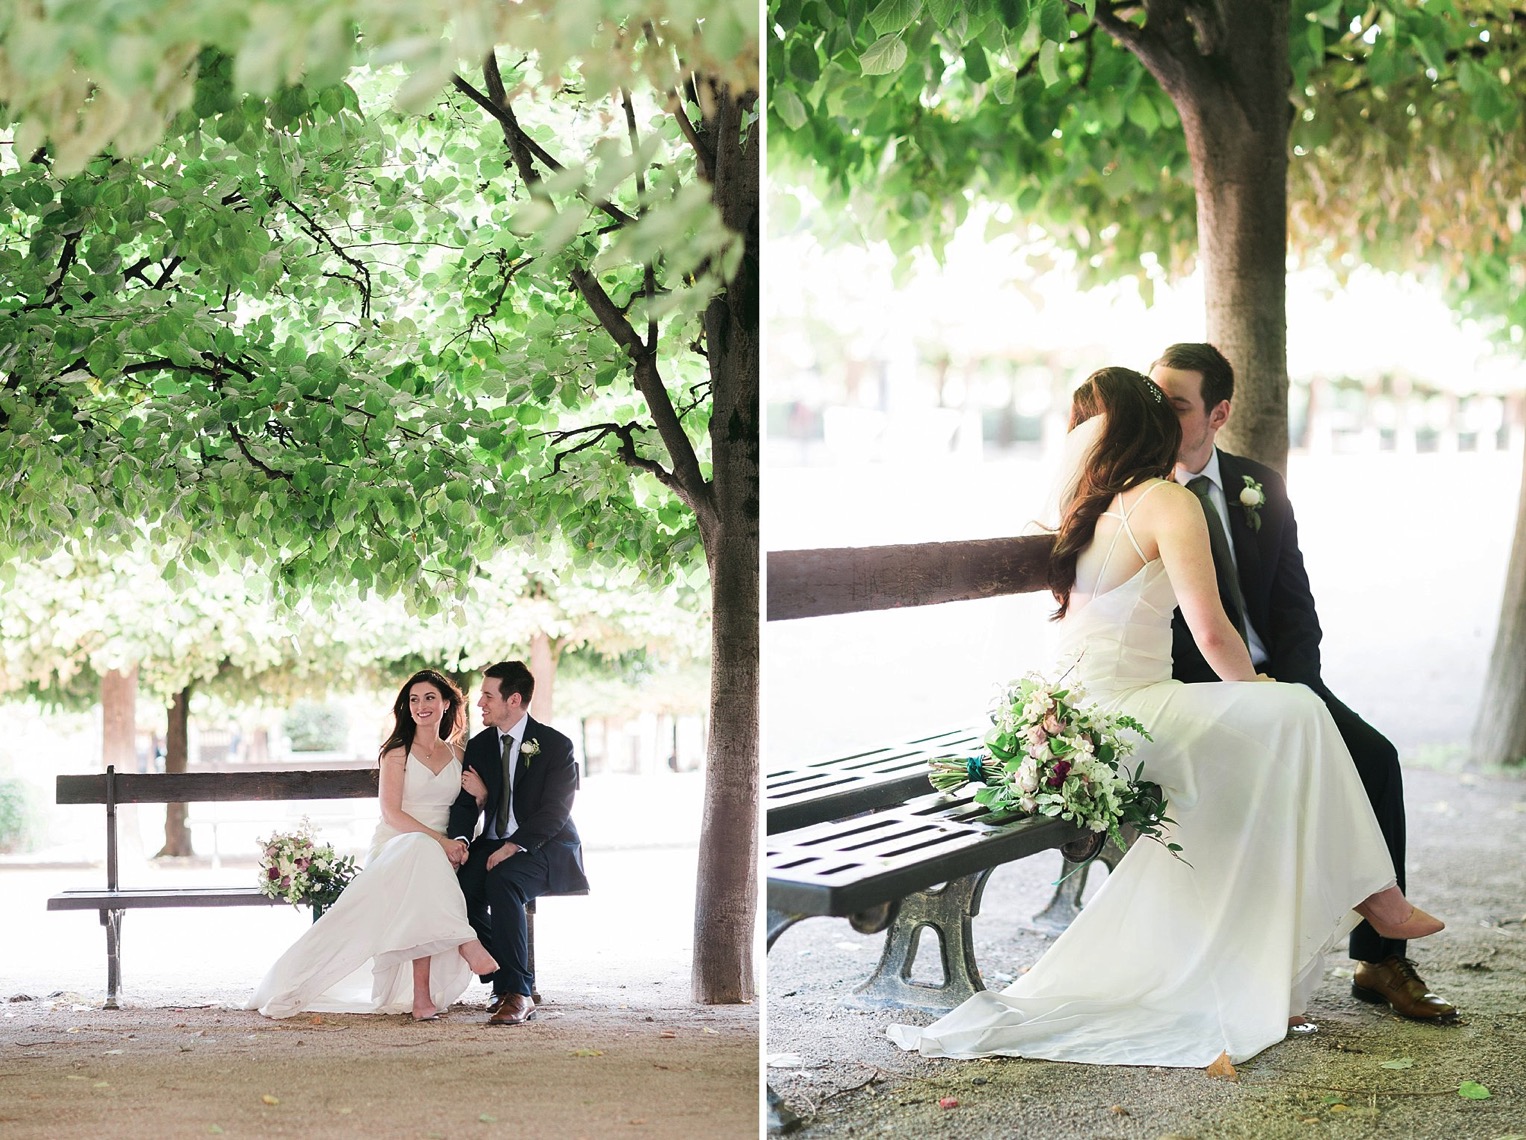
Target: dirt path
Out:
[71,1069]
[1366,1073]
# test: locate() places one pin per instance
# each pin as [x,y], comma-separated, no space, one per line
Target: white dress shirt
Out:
[1216,496]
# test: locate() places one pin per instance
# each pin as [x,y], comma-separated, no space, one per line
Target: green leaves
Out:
[1472,1090]
[883,57]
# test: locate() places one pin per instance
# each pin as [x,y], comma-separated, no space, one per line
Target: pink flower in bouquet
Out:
[1052,725]
[1037,735]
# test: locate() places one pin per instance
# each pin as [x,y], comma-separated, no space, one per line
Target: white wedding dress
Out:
[404,904]
[1175,962]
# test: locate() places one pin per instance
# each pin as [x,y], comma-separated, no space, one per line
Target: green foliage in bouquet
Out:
[296,870]
[1050,753]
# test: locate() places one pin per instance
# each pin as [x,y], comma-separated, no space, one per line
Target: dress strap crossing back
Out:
[1122,515]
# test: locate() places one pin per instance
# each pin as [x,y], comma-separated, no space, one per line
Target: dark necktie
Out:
[508,787]
[1223,561]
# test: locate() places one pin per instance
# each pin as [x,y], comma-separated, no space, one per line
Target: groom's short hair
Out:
[1209,363]
[512,677]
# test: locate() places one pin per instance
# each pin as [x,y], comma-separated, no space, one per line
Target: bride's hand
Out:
[472,785]
[1265,677]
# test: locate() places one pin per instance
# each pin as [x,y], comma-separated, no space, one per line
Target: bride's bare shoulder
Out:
[1168,501]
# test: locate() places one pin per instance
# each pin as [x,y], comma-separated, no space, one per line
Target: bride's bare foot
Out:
[1394,916]
[425,1012]
[477,957]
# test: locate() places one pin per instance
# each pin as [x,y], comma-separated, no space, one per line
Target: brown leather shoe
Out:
[516,1009]
[1394,981]
[496,1003]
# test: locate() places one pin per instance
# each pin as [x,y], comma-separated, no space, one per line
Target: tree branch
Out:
[522,148]
[689,480]
[320,235]
[627,436]
[648,275]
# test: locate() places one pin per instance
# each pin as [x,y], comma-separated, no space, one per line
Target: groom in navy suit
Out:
[528,846]
[1266,592]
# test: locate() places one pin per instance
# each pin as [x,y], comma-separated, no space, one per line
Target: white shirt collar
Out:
[1210,469]
[517,732]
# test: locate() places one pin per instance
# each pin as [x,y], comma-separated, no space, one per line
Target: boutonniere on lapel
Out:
[528,749]
[1252,498]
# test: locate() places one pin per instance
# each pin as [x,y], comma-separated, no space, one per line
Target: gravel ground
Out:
[1367,1073]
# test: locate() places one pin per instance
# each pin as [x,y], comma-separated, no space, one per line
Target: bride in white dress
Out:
[397,940]
[1175,961]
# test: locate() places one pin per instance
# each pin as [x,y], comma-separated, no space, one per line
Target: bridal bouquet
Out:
[1049,753]
[296,870]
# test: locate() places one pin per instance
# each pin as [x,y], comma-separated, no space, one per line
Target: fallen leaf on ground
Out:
[667,1033]
[268,1099]
[1399,1063]
[1119,1110]
[1473,1091]
[488,1118]
[588,1052]
[1222,1070]
[948,1102]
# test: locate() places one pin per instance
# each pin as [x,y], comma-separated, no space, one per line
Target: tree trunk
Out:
[177,740]
[726,883]
[1227,73]
[119,730]
[1499,735]
[543,656]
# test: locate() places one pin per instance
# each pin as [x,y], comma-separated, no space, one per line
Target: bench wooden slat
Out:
[799,794]
[844,867]
[201,787]
[131,897]
[816,583]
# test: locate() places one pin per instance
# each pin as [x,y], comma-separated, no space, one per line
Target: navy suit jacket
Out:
[1278,600]
[544,785]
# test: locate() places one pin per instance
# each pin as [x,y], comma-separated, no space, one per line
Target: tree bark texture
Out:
[726,883]
[543,655]
[177,748]
[1499,736]
[1226,70]
[119,730]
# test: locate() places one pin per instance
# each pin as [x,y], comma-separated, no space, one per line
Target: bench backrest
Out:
[200,787]
[815,583]
[111,788]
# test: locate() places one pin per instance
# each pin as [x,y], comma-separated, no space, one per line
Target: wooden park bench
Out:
[112,788]
[863,837]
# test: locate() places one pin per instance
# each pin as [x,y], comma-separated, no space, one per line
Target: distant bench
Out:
[112,788]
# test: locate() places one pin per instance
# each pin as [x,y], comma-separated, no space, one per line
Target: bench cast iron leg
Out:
[112,921]
[947,912]
[780,1117]
[1065,903]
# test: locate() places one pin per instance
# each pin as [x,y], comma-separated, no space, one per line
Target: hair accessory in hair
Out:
[1154,389]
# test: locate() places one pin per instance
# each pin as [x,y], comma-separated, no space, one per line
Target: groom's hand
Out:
[456,851]
[501,854]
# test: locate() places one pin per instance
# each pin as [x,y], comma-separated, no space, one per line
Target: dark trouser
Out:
[1377,763]
[495,906]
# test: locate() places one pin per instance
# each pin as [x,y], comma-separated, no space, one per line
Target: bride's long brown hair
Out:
[1139,441]
[452,722]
